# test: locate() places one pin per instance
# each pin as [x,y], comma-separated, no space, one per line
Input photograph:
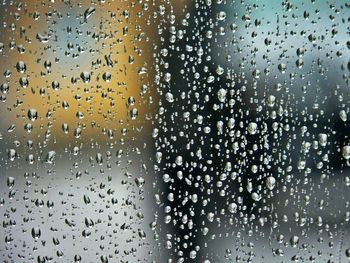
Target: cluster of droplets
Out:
[75,98]
[250,130]
[244,105]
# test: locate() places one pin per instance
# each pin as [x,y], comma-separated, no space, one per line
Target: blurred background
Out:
[174,131]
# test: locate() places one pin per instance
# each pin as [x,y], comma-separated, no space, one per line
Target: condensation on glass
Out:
[174,131]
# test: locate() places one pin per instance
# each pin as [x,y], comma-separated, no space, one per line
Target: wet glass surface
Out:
[174,131]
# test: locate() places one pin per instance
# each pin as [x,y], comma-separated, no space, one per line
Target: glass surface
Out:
[174,131]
